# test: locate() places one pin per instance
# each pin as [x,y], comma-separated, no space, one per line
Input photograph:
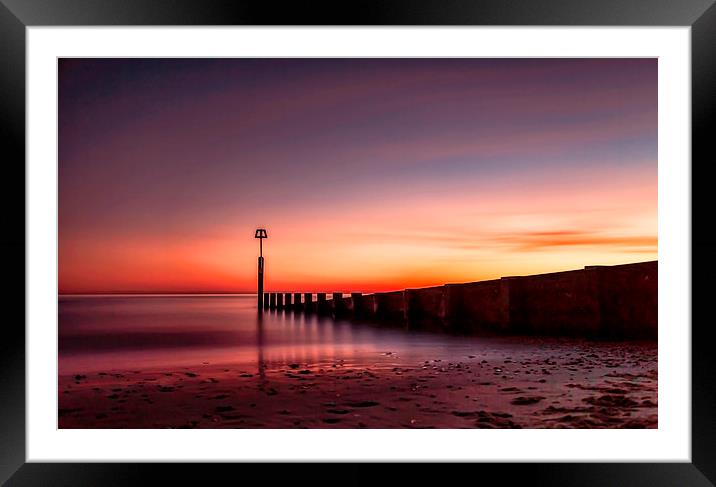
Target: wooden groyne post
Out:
[339,305]
[321,304]
[615,302]
[261,235]
[357,304]
[308,302]
[297,305]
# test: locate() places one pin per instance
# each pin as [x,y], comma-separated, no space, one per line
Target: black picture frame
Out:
[16,15]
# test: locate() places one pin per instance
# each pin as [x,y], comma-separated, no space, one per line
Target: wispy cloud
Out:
[528,241]
[518,241]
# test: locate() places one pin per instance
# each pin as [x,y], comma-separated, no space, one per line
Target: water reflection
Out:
[261,365]
[105,332]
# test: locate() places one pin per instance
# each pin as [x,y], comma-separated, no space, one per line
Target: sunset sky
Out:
[369,174]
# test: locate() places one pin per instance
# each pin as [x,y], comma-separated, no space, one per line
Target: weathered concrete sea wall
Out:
[615,302]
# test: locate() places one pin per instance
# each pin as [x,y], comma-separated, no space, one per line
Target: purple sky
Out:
[183,158]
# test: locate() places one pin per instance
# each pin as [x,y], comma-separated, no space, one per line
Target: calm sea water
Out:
[151,331]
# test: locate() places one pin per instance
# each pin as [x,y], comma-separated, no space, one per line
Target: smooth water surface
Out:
[140,331]
[215,362]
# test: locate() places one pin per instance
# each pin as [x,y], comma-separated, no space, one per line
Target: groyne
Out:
[611,302]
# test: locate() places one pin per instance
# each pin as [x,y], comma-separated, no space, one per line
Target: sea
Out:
[124,332]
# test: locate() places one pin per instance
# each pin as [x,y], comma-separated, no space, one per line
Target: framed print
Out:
[300,235]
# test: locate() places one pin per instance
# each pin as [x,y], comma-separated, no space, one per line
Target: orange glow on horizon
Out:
[368,174]
[425,239]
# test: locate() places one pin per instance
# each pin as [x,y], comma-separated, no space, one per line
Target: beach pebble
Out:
[363,404]
[338,411]
[526,400]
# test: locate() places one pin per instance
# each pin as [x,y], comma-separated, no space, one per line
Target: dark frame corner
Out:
[16,15]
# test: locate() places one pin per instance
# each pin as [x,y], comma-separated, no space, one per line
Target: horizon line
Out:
[226,293]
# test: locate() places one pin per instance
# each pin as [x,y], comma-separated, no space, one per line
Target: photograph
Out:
[357,242]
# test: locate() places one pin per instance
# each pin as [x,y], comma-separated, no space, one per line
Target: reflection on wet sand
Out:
[282,369]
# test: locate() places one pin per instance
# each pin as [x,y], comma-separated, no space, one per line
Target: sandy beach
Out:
[510,383]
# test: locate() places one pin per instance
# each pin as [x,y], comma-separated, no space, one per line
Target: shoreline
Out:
[544,384]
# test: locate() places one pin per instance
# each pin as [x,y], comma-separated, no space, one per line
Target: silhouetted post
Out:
[266,300]
[287,300]
[261,235]
[369,303]
[321,304]
[296,301]
[339,305]
[279,300]
[357,301]
[272,300]
[308,302]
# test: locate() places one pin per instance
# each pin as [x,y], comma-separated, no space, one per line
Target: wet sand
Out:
[509,383]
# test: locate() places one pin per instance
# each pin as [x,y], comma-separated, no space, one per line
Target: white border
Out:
[670,442]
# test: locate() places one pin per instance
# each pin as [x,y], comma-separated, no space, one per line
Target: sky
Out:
[368,174]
